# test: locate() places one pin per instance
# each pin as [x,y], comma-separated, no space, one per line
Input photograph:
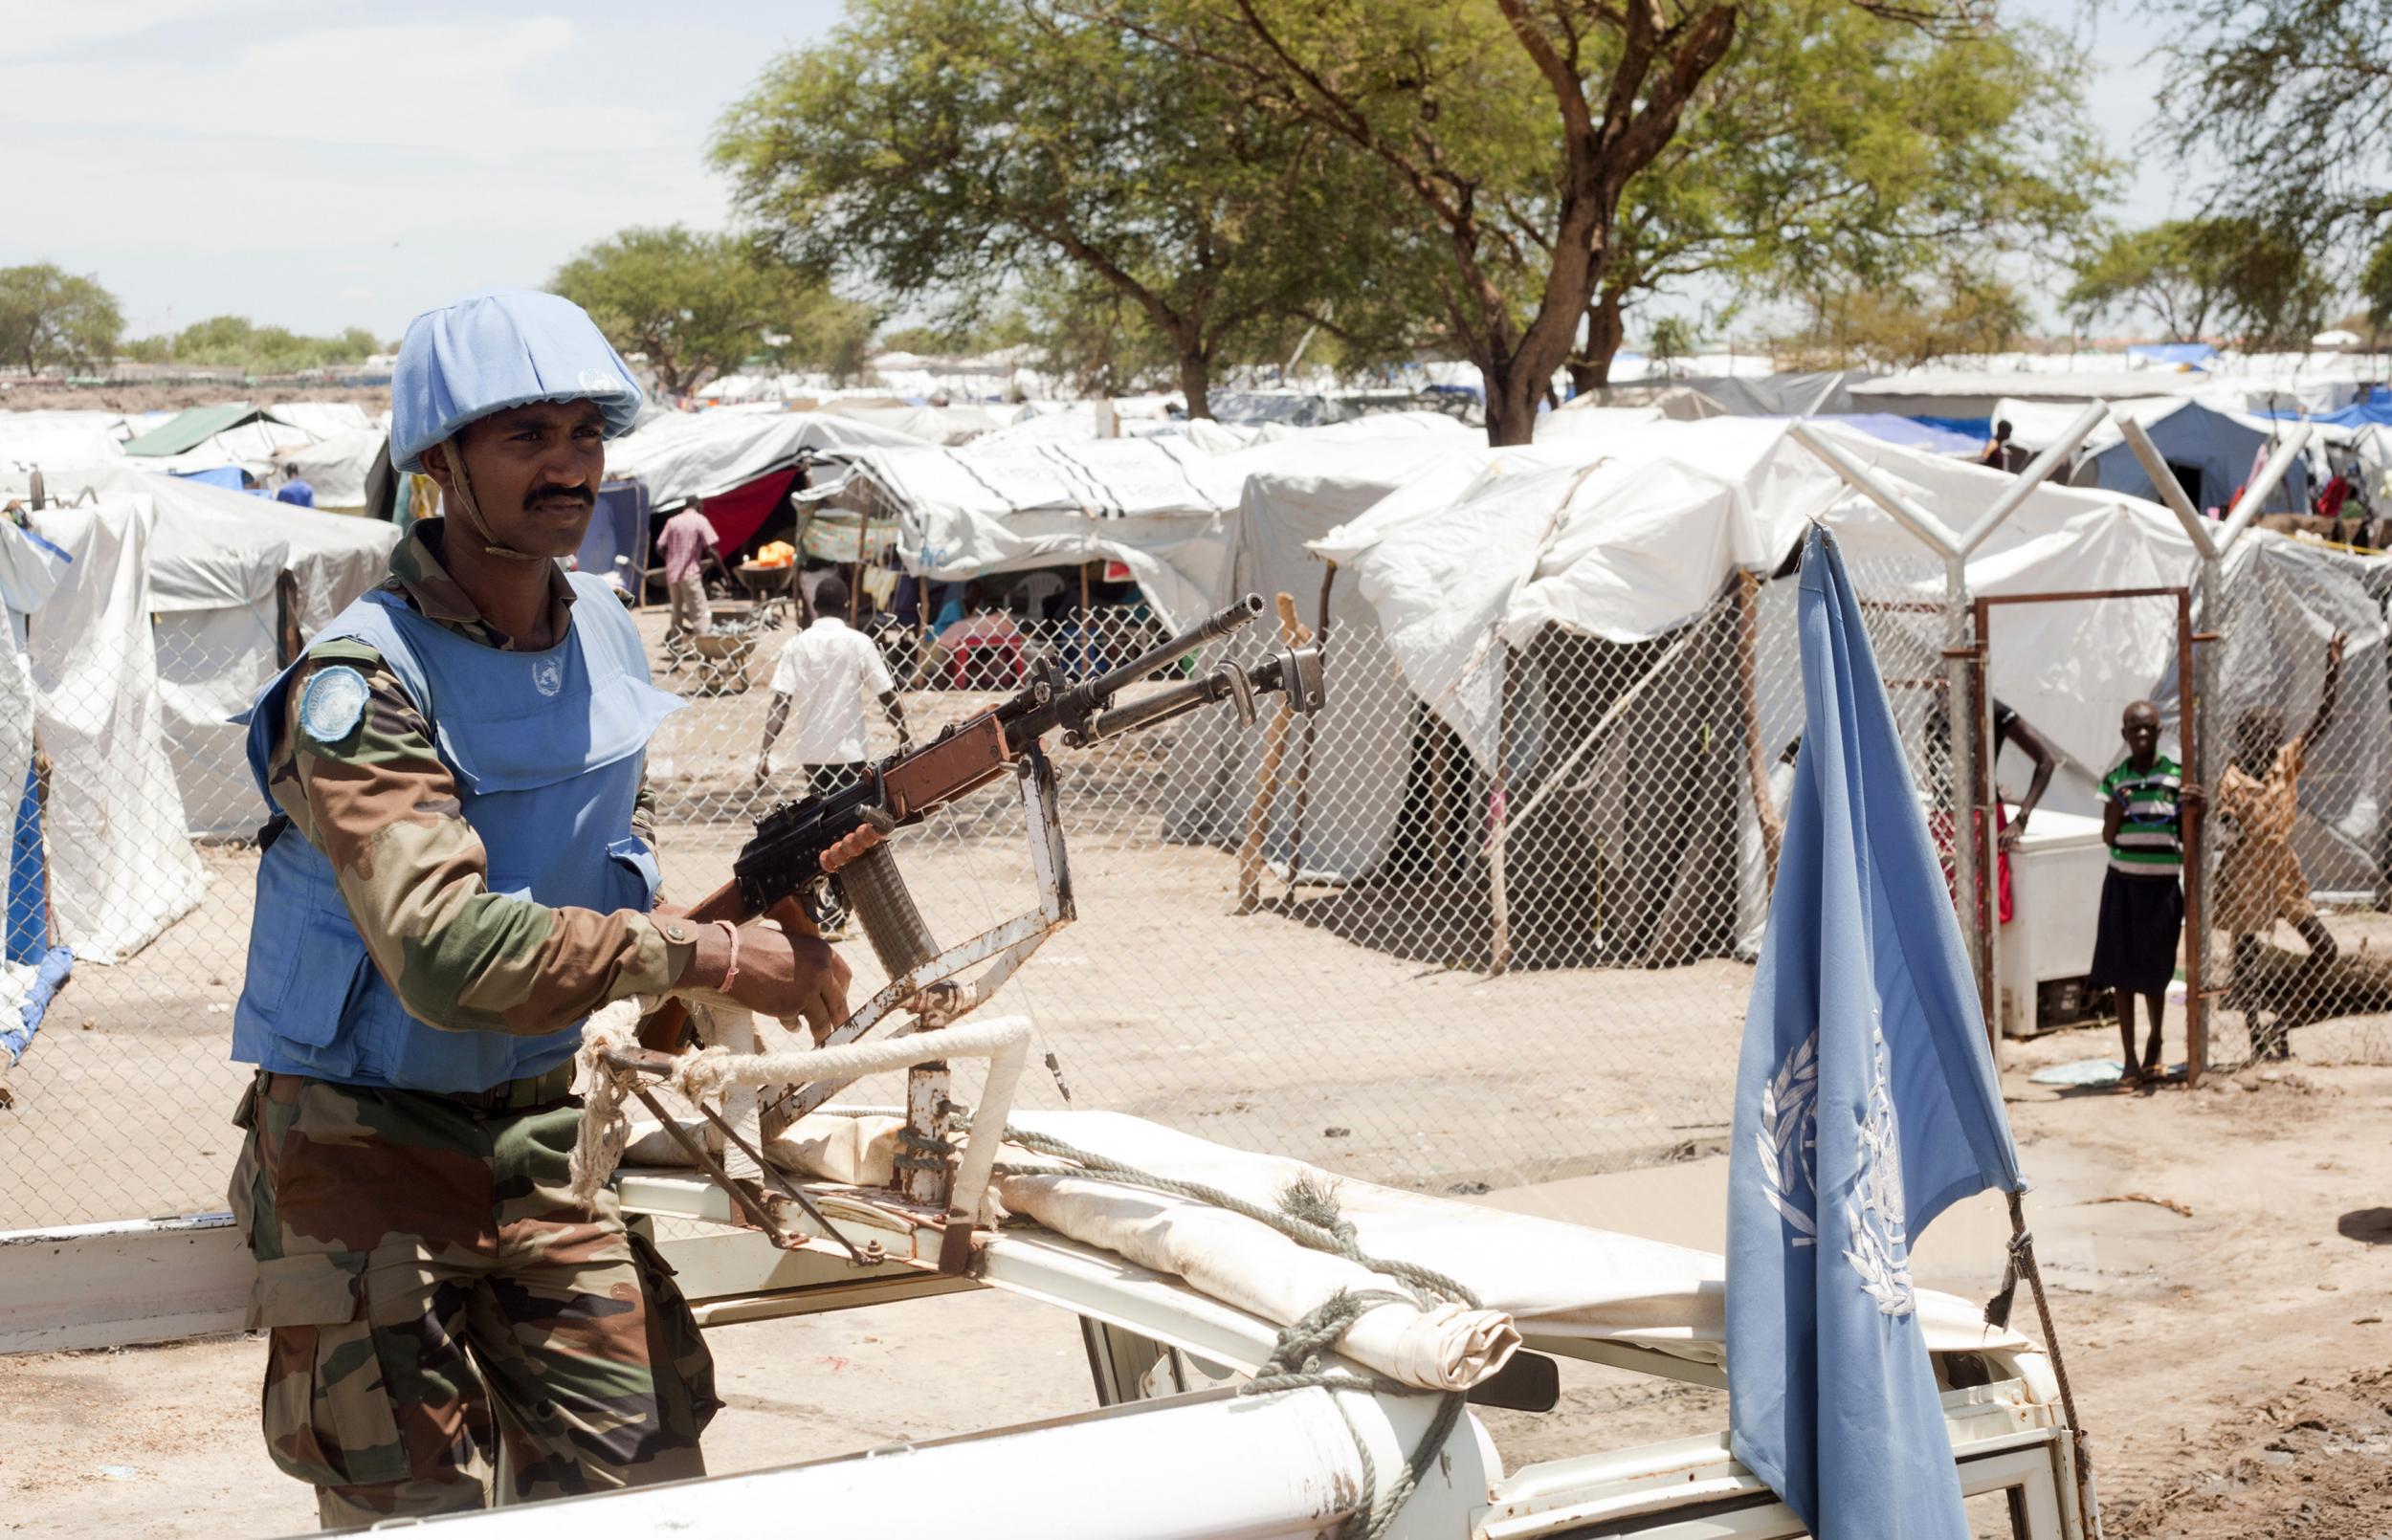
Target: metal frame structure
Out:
[1958,644]
[1964,625]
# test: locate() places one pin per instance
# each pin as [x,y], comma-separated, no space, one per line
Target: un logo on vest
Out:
[548,676]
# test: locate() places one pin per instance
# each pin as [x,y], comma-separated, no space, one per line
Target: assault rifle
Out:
[779,873]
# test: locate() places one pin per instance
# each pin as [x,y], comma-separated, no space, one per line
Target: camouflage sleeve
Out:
[644,810]
[383,806]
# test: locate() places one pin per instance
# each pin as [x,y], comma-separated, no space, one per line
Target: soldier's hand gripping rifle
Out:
[779,873]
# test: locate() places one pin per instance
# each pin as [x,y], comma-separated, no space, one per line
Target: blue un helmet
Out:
[496,349]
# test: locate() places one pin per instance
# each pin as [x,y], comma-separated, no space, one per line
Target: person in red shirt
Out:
[688,547]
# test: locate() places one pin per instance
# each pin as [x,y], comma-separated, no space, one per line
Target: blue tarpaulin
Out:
[221,475]
[2194,354]
[1979,428]
[1909,433]
[2212,452]
[28,925]
[2376,411]
[1866,1104]
[19,1035]
[619,527]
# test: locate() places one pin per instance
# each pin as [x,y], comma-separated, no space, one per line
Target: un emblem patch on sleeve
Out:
[334,704]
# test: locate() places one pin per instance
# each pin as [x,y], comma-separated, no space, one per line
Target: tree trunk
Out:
[1605,330]
[1513,396]
[1196,380]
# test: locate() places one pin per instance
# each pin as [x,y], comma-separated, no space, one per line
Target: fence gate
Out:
[1980,916]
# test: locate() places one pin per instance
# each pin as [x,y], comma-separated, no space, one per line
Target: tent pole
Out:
[1961,793]
[2191,695]
[2196,682]
[1499,889]
[1312,728]
[1293,635]
[1748,705]
[863,543]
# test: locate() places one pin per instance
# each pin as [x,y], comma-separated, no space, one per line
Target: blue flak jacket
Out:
[1867,1103]
[547,750]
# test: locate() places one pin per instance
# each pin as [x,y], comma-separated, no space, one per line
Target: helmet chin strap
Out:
[467,507]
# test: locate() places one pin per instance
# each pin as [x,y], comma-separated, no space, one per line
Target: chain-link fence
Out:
[2298,837]
[1497,935]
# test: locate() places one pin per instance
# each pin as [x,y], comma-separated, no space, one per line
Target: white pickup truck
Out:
[1173,1449]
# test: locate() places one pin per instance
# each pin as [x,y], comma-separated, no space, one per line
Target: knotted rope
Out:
[600,1138]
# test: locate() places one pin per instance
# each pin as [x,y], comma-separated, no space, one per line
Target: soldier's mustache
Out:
[552,492]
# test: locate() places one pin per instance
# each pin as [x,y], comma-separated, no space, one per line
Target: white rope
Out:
[711,1071]
[599,1141]
[598,1144]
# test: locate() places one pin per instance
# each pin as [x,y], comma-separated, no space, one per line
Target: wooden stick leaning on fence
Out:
[1748,705]
[1292,633]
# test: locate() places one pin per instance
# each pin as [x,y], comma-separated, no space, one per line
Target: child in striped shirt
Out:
[2142,901]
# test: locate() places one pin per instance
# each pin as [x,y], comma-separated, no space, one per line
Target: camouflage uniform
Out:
[432,1296]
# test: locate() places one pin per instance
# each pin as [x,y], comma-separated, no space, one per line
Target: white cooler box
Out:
[2055,905]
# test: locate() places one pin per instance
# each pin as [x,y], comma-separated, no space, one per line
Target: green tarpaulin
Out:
[187,430]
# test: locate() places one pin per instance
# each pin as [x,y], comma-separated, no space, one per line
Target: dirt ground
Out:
[131,396]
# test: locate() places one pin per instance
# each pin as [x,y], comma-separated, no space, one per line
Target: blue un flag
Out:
[1866,1104]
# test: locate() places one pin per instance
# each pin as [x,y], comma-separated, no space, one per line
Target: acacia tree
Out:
[50,316]
[1512,128]
[2276,104]
[1838,150]
[1963,312]
[958,151]
[2199,276]
[698,302]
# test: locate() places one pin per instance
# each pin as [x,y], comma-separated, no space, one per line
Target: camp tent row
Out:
[1155,504]
[1607,617]
[334,444]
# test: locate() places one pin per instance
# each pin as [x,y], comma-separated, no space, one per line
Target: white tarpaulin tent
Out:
[680,455]
[215,559]
[53,439]
[122,867]
[978,511]
[1632,545]
[1159,505]
[337,465]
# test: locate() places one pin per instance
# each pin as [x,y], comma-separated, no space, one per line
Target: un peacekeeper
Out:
[456,873]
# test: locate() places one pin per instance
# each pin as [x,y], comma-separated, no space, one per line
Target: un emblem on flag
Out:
[548,676]
[1788,1139]
[1875,1246]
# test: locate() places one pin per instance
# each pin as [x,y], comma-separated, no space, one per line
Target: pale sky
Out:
[322,163]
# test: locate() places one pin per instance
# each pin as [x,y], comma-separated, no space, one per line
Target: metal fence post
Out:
[1961,708]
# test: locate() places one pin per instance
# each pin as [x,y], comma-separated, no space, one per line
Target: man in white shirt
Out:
[825,671]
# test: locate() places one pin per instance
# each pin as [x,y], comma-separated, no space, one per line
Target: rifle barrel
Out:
[1261,679]
[1095,693]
